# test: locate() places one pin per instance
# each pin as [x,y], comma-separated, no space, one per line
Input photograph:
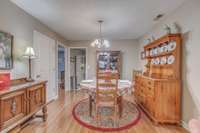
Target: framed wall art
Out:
[6,46]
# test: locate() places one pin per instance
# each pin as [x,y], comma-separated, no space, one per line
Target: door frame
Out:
[86,61]
[58,43]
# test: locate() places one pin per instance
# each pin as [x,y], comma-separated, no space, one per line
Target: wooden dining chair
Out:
[106,95]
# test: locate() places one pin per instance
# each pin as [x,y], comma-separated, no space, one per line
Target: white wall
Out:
[188,18]
[129,49]
[21,25]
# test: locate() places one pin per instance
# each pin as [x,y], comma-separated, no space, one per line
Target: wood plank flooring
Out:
[60,119]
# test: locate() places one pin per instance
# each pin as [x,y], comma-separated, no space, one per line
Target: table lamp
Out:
[29,54]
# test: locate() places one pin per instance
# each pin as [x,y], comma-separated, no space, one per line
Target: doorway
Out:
[61,67]
[77,67]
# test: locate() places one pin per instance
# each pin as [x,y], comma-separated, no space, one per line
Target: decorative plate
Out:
[158,48]
[163,60]
[170,59]
[147,53]
[157,61]
[172,46]
[155,51]
[152,61]
[151,52]
[165,48]
[162,49]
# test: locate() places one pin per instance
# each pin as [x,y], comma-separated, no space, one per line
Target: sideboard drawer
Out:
[36,97]
[13,107]
[150,91]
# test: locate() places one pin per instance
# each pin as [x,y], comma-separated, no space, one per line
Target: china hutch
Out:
[158,89]
[109,61]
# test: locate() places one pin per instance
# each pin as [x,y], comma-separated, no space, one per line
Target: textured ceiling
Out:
[77,19]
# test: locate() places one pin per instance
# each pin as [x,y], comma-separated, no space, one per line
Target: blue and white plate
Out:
[165,48]
[163,60]
[147,53]
[172,46]
[155,51]
[170,59]
[151,52]
[152,61]
[157,61]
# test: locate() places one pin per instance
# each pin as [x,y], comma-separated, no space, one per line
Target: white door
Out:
[52,65]
[66,66]
[44,66]
[67,78]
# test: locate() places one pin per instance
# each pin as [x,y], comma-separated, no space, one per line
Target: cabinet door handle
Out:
[13,107]
[35,97]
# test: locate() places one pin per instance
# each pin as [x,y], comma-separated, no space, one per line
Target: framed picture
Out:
[142,55]
[6,46]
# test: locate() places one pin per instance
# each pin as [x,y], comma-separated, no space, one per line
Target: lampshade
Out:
[29,53]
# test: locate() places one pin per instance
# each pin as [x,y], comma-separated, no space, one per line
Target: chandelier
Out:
[100,42]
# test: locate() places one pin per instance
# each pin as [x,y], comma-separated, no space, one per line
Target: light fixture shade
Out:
[29,53]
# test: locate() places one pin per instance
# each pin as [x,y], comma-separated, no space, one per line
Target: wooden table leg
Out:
[120,106]
[44,111]
[1,126]
[90,105]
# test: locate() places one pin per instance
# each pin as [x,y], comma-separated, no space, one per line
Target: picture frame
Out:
[143,55]
[6,51]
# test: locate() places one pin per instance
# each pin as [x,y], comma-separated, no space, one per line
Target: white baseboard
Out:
[55,97]
[185,125]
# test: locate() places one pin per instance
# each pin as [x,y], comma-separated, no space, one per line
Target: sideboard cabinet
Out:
[160,99]
[21,102]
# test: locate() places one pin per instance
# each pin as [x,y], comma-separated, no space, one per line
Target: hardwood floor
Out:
[60,119]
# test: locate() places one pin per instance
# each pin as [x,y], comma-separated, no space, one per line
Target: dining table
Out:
[89,86]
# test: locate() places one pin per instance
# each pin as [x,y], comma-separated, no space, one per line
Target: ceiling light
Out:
[100,42]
